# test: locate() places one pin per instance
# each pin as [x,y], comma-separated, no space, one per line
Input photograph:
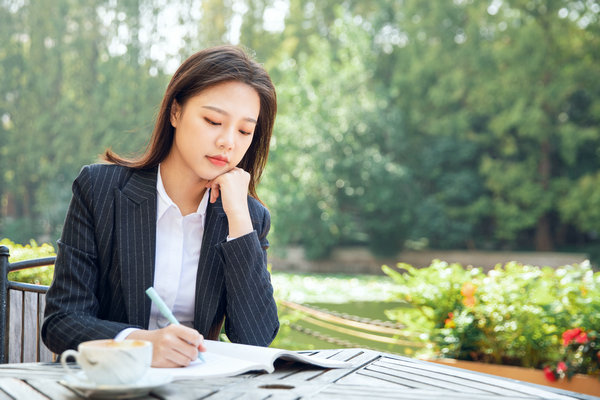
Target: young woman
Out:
[184,218]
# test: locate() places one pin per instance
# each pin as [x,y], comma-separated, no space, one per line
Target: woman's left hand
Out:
[232,186]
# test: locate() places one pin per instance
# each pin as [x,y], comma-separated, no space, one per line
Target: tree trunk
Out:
[543,235]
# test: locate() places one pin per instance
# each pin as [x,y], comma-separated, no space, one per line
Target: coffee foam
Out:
[111,343]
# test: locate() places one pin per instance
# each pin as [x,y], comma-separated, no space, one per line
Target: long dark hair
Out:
[202,70]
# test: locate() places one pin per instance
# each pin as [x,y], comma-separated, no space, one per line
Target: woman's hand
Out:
[172,346]
[232,186]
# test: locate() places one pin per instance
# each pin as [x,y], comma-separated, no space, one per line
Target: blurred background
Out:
[403,125]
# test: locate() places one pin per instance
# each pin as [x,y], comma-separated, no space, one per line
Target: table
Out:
[374,375]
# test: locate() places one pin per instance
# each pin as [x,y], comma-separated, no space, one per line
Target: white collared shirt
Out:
[178,243]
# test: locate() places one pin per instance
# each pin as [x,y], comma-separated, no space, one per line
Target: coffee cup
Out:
[110,362]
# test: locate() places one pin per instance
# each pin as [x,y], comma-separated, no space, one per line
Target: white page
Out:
[215,366]
[266,356]
[229,359]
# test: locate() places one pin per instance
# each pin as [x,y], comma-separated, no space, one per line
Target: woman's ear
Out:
[175,113]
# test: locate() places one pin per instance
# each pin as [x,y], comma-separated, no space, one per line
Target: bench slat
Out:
[15,325]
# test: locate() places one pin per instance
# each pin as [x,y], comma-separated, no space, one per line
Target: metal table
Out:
[374,375]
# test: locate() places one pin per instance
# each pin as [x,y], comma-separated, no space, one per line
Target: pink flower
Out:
[561,367]
[549,374]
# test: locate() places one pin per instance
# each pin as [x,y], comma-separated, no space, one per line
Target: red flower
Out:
[561,367]
[569,335]
[581,338]
[549,374]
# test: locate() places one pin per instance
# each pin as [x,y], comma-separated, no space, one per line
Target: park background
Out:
[402,125]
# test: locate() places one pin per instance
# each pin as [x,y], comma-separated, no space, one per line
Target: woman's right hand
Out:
[172,346]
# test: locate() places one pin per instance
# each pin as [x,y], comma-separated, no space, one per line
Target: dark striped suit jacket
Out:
[105,262]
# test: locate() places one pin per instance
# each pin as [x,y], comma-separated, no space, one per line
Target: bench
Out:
[21,313]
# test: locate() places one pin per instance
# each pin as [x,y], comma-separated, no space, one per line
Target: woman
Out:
[184,218]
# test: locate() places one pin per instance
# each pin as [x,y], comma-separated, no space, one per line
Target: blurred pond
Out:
[300,331]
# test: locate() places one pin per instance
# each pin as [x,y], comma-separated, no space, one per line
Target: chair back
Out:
[21,313]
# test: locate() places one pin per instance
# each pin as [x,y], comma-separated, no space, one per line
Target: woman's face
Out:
[214,129]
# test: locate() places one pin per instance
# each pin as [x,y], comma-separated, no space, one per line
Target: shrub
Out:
[580,355]
[18,252]
[515,314]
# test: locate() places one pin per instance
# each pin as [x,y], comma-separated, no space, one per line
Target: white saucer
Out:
[82,385]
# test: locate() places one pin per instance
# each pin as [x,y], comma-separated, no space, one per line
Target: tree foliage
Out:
[459,124]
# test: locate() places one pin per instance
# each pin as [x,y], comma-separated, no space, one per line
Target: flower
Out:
[549,374]
[449,322]
[580,354]
[468,289]
[581,338]
[560,372]
[569,335]
[469,302]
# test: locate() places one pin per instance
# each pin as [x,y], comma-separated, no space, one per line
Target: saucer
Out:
[87,388]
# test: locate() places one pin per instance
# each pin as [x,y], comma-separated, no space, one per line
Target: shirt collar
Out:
[165,202]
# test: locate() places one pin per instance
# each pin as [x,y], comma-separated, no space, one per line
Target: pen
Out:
[165,311]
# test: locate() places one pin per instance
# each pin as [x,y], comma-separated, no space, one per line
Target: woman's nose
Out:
[226,139]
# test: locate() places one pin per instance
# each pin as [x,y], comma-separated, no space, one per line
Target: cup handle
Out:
[63,360]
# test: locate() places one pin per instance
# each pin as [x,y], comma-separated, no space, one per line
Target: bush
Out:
[515,314]
[580,355]
[40,275]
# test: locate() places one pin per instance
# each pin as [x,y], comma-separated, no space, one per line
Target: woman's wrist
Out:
[239,224]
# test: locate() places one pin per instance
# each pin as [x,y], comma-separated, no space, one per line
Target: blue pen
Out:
[165,311]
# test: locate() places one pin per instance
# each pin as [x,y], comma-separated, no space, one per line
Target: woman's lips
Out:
[218,160]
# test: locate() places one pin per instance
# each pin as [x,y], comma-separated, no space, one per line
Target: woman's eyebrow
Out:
[221,111]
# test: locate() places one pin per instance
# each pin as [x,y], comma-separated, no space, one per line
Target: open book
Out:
[228,359]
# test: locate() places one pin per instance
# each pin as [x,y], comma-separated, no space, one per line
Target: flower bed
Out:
[513,315]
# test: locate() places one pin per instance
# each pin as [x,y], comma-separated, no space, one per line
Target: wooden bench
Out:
[21,313]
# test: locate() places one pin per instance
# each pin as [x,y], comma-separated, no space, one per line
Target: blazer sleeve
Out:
[72,306]
[251,312]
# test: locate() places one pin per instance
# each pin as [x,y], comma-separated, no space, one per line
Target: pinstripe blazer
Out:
[105,262]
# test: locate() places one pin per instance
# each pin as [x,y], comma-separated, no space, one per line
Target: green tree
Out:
[489,92]
[540,114]
[468,124]
[68,99]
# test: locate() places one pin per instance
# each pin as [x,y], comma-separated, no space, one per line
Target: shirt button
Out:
[162,322]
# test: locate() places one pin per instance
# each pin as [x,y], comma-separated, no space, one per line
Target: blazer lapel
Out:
[135,229]
[210,278]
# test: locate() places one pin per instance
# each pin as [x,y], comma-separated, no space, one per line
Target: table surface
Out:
[373,375]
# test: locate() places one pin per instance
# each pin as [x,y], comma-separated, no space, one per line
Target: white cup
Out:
[111,362]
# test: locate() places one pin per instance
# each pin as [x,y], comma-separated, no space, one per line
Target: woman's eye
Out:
[245,132]
[210,121]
